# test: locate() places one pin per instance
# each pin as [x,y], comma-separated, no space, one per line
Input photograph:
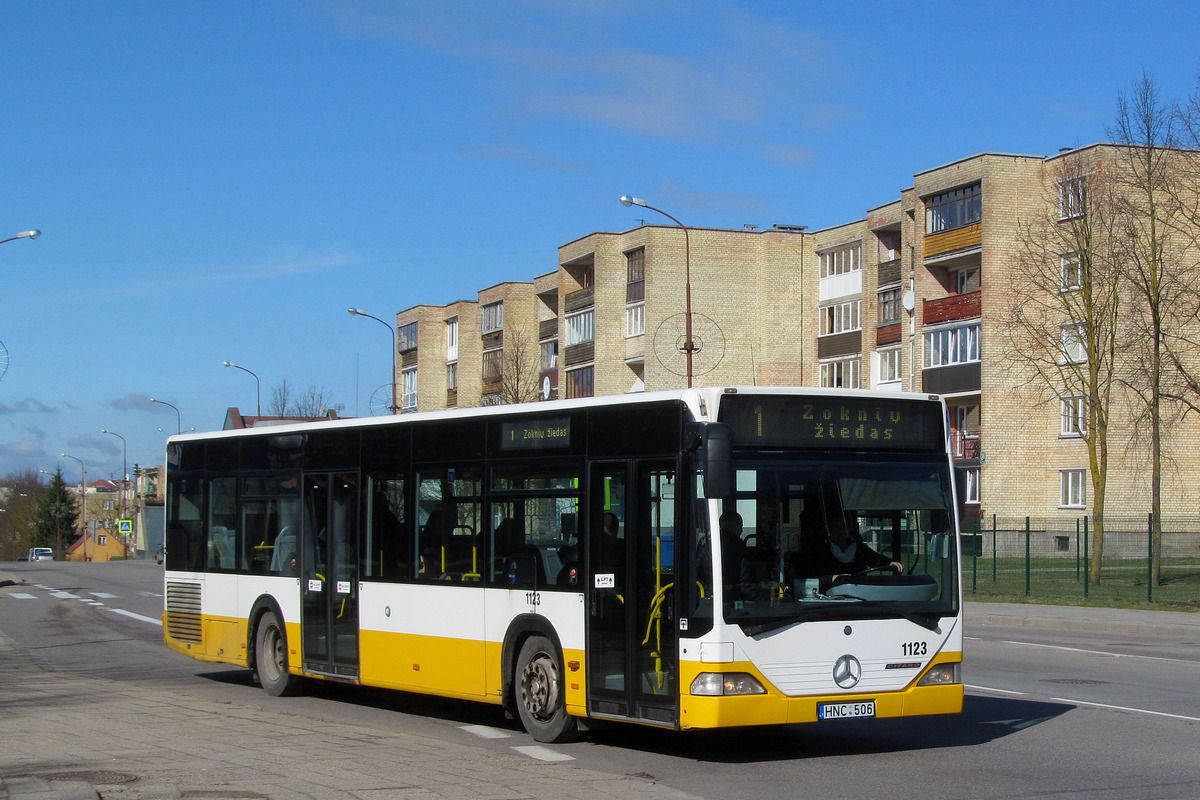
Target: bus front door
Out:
[329,581]
[632,651]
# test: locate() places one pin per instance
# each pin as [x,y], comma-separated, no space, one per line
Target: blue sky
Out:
[220,181]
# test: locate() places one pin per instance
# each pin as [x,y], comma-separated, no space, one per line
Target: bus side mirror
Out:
[717,446]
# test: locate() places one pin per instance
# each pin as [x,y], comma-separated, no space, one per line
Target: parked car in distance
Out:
[41,554]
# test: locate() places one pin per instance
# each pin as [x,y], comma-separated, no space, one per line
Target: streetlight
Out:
[82,498]
[22,235]
[358,312]
[689,346]
[178,418]
[257,383]
[124,473]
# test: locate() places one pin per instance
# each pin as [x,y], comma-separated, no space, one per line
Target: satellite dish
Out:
[546,388]
[908,301]
[708,344]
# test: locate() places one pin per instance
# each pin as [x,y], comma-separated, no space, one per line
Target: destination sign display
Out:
[834,422]
[535,434]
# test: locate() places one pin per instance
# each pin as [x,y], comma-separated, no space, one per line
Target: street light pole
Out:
[689,346]
[82,498]
[124,475]
[22,235]
[178,417]
[257,383]
[358,312]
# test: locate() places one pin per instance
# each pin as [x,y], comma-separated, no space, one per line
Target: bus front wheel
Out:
[539,692]
[271,657]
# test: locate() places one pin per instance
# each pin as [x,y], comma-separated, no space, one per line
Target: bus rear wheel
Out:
[271,658]
[539,692]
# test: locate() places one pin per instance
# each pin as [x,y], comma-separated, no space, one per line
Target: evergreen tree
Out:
[58,517]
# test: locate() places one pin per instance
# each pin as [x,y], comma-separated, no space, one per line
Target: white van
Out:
[41,554]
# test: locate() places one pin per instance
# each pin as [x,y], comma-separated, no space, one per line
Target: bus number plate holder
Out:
[863,708]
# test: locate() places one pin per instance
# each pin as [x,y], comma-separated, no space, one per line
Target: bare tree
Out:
[1160,281]
[1062,332]
[521,369]
[285,402]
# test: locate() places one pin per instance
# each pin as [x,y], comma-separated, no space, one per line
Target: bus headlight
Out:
[718,684]
[940,675]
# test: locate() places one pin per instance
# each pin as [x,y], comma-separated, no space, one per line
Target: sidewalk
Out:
[1121,621]
[131,742]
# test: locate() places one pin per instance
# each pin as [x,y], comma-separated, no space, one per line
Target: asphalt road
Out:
[1097,711]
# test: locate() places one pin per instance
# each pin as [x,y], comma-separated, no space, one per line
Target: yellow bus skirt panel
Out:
[431,664]
[774,708]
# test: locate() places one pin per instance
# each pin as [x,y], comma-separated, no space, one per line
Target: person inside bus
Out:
[843,553]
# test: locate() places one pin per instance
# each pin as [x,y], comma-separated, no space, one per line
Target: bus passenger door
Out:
[632,646]
[329,581]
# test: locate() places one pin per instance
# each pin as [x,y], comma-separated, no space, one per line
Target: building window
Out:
[101,539]
[635,292]
[1072,272]
[581,382]
[1074,418]
[841,261]
[1074,492]
[108,505]
[966,280]
[840,373]
[889,306]
[549,354]
[1072,198]
[492,317]
[635,320]
[972,486]
[452,376]
[493,365]
[408,389]
[452,339]
[580,328]
[888,373]
[841,317]
[406,336]
[952,346]
[954,209]
[1074,344]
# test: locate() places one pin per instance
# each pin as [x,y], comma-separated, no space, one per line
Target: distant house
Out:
[99,545]
[234,420]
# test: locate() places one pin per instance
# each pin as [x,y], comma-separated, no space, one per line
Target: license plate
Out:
[863,708]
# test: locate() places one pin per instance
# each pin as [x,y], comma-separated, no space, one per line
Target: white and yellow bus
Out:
[660,558]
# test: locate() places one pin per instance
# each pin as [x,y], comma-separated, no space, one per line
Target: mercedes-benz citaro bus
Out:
[691,559]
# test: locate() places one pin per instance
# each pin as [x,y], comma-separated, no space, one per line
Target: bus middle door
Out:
[329,582]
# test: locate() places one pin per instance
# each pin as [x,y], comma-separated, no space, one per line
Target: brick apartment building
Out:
[913,297]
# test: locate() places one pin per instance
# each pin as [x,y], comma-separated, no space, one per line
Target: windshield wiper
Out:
[925,622]
[776,624]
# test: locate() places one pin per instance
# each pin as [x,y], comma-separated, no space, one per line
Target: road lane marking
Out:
[65,596]
[1084,651]
[486,731]
[543,753]
[23,596]
[103,595]
[132,615]
[1088,703]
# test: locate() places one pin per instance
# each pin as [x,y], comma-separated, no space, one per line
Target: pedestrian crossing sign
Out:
[125,526]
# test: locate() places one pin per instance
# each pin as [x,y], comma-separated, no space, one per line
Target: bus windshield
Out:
[838,535]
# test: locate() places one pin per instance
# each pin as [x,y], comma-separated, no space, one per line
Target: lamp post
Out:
[358,312]
[82,498]
[689,346]
[178,417]
[257,383]
[124,474]
[22,235]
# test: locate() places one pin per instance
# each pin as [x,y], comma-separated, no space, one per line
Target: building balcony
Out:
[579,300]
[966,448]
[954,307]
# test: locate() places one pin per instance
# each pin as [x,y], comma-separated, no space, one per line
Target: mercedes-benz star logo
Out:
[847,671]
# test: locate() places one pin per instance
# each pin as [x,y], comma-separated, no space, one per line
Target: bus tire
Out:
[271,657]
[538,688]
